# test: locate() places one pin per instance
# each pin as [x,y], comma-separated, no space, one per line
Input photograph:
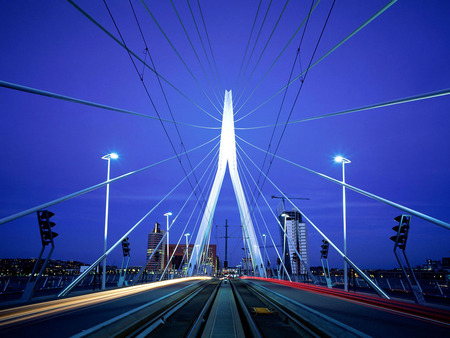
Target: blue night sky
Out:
[51,148]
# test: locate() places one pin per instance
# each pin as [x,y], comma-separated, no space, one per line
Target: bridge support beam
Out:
[227,157]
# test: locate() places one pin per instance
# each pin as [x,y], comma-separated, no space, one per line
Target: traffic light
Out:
[126,247]
[402,231]
[324,252]
[45,226]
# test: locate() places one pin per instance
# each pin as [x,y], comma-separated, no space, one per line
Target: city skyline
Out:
[52,148]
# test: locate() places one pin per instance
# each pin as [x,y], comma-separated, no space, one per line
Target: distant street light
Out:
[187,250]
[343,160]
[265,239]
[167,214]
[107,157]
[284,240]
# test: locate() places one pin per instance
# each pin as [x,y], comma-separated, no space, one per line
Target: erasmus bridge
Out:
[194,303]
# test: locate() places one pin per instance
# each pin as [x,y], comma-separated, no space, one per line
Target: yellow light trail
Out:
[33,311]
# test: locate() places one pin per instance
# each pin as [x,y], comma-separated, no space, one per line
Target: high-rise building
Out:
[157,263]
[209,267]
[297,238]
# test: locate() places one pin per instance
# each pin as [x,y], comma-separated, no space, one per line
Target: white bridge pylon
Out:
[227,155]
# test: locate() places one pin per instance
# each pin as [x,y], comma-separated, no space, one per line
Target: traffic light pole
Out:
[123,270]
[400,243]
[45,227]
[324,260]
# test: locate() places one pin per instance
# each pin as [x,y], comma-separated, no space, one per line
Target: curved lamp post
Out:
[107,157]
[284,241]
[187,249]
[167,214]
[344,161]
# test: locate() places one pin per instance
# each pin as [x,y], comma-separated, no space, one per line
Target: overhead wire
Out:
[254,46]
[248,44]
[196,54]
[165,99]
[279,56]
[179,55]
[282,103]
[203,46]
[209,42]
[151,100]
[373,17]
[262,52]
[95,22]
[298,93]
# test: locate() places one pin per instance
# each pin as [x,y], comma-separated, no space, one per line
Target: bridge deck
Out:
[223,320]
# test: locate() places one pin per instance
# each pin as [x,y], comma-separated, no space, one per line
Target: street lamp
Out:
[187,250]
[284,241]
[167,214]
[343,160]
[107,157]
[265,239]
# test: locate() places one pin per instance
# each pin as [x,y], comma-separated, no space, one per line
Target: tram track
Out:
[234,308]
[205,307]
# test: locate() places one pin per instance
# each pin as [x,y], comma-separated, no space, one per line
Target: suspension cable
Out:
[151,256]
[248,44]
[296,97]
[305,20]
[179,55]
[103,256]
[209,179]
[137,57]
[381,11]
[167,103]
[254,46]
[353,265]
[209,42]
[262,52]
[253,213]
[313,278]
[203,45]
[94,187]
[360,191]
[419,97]
[154,107]
[40,92]
[182,208]
[196,54]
